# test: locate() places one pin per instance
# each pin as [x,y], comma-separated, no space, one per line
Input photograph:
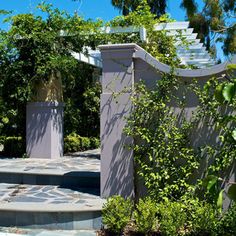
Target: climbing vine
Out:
[176,152]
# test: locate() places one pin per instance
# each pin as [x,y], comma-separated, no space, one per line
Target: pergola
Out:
[194,53]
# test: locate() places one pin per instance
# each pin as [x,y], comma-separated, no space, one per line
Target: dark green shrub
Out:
[13,146]
[172,218]
[116,213]
[145,216]
[2,139]
[227,225]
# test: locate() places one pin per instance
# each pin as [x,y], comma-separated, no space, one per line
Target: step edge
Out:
[43,207]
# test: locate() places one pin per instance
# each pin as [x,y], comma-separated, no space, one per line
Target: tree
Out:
[214,22]
[157,7]
[35,50]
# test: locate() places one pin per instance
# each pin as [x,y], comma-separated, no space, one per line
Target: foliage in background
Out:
[82,101]
[213,23]
[157,7]
[36,47]
[31,51]
[159,44]
[75,143]
[12,146]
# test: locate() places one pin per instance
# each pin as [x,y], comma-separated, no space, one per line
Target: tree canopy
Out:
[215,22]
[157,7]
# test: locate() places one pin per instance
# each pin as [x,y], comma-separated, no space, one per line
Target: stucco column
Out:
[44,129]
[117,85]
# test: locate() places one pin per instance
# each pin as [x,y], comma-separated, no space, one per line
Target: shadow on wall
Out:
[116,159]
[44,129]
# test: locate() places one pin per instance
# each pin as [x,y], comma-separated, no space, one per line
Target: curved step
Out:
[49,207]
[79,171]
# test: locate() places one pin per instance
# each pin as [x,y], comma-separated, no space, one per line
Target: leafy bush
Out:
[13,146]
[202,217]
[117,213]
[76,143]
[94,142]
[227,225]
[172,218]
[145,215]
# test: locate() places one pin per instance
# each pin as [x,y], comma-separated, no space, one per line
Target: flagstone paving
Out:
[48,197]
[18,193]
[80,161]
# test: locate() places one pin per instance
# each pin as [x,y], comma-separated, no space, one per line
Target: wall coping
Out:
[140,53]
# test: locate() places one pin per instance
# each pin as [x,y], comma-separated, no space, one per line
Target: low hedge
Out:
[189,217]
[16,146]
[75,143]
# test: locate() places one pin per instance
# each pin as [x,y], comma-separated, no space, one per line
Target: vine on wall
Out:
[170,160]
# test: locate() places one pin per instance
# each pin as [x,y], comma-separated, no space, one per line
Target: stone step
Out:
[80,171]
[49,207]
[31,232]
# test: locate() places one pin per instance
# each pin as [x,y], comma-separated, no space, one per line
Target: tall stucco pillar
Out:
[117,85]
[44,130]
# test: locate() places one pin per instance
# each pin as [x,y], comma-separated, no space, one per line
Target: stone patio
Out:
[48,196]
[80,161]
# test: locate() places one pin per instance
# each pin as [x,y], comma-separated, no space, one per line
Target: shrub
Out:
[76,143]
[227,225]
[116,213]
[13,146]
[94,142]
[202,218]
[145,215]
[172,218]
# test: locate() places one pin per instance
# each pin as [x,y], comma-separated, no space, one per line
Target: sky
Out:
[87,8]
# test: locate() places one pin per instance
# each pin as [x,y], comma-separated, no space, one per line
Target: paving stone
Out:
[28,199]
[43,195]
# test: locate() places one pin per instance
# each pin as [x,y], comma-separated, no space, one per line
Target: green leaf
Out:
[232,192]
[210,181]
[234,134]
[220,200]
[229,91]
[218,93]
[207,86]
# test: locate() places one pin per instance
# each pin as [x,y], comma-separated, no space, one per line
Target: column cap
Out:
[46,104]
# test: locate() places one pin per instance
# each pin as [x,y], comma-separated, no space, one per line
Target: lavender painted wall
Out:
[44,130]
[117,85]
[123,66]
